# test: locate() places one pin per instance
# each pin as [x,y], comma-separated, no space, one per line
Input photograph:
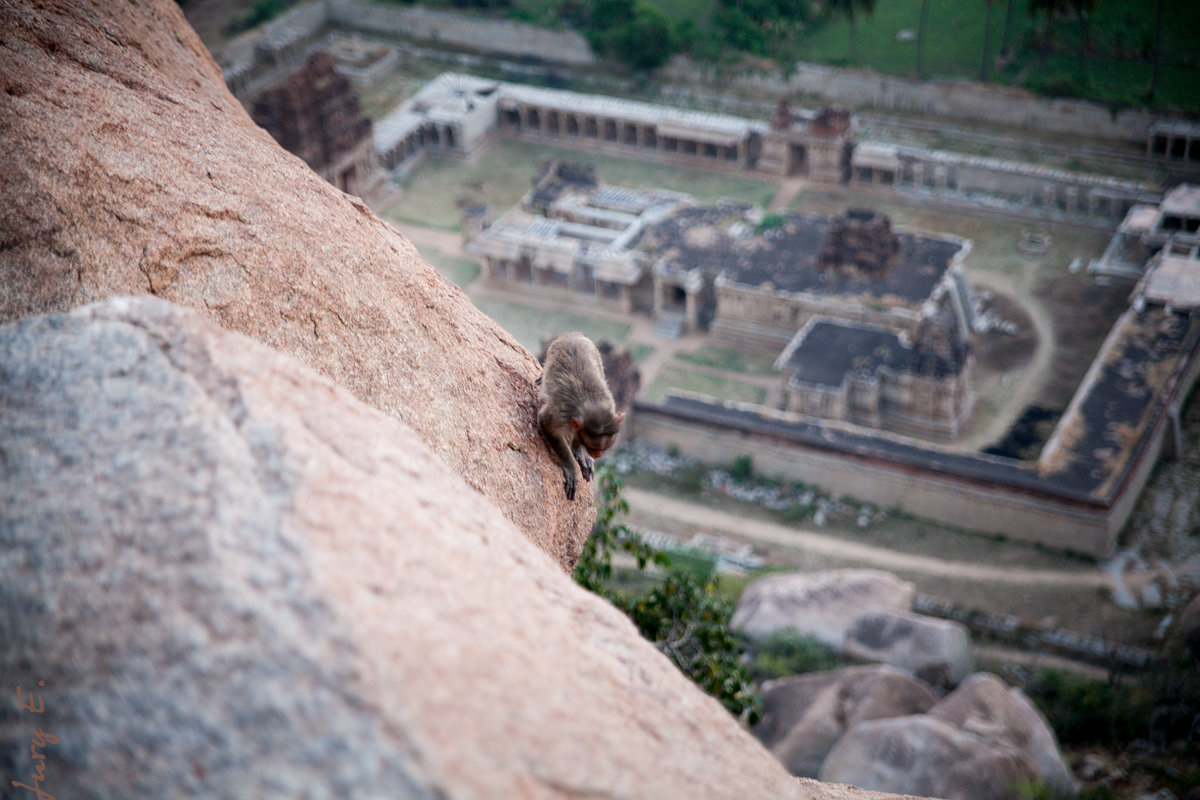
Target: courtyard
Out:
[1046,317]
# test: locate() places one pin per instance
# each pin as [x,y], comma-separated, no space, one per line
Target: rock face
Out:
[926,756]
[139,173]
[804,716]
[937,651]
[988,708]
[223,576]
[821,604]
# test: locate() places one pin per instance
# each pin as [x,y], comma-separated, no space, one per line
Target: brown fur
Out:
[577,414]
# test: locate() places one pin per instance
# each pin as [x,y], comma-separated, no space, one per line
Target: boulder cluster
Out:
[917,720]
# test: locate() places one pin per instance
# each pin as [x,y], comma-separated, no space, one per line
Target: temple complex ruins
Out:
[835,291]
[872,326]
[316,116]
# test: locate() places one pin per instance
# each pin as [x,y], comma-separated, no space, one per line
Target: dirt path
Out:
[447,242]
[788,189]
[647,507]
[1022,392]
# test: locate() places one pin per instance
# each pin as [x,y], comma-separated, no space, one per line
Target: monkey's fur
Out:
[577,414]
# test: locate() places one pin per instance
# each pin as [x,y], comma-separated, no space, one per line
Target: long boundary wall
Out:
[1035,517]
[1012,108]
[502,37]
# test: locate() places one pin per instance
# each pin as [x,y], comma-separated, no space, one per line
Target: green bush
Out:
[742,469]
[685,617]
[1085,711]
[770,221]
[790,653]
[262,11]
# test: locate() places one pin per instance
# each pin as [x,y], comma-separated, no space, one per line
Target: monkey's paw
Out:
[587,466]
[569,485]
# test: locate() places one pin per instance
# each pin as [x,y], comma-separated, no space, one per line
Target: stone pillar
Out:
[692,313]
[918,173]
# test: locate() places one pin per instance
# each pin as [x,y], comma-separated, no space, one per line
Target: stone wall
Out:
[1025,189]
[1015,108]
[489,36]
[1086,528]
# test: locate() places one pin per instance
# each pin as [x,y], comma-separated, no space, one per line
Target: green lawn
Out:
[435,193]
[461,271]
[1118,70]
[675,376]
[530,323]
[731,360]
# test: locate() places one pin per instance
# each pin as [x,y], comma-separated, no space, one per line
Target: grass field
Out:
[677,376]
[439,188]
[732,360]
[530,323]
[461,271]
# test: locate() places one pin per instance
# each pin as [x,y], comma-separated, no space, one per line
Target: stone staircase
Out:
[669,325]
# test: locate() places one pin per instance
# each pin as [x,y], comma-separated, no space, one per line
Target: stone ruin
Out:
[860,241]
[831,121]
[316,115]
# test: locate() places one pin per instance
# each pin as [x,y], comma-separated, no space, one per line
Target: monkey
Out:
[577,415]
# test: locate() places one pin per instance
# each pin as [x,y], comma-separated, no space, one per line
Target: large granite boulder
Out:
[937,651]
[990,709]
[805,715]
[927,756]
[823,605]
[128,168]
[223,576]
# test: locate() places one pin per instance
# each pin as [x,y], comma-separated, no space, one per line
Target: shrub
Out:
[683,616]
[742,469]
[1085,711]
[790,653]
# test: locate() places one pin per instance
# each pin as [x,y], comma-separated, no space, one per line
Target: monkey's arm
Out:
[587,464]
[561,448]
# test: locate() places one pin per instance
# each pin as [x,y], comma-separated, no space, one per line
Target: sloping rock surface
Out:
[804,716]
[937,651]
[225,577]
[126,167]
[822,605]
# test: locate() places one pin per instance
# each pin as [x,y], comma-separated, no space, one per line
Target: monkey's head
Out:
[597,429]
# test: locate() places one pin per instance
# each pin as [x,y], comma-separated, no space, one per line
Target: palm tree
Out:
[1157,52]
[849,10]
[1082,8]
[921,38]
[1006,43]
[987,43]
[1050,9]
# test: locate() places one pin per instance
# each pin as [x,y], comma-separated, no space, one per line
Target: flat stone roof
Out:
[1174,281]
[722,127]
[824,352]
[1121,397]
[1182,201]
[721,239]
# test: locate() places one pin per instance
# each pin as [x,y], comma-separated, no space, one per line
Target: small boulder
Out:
[990,709]
[937,651]
[822,605]
[926,756]
[805,715]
